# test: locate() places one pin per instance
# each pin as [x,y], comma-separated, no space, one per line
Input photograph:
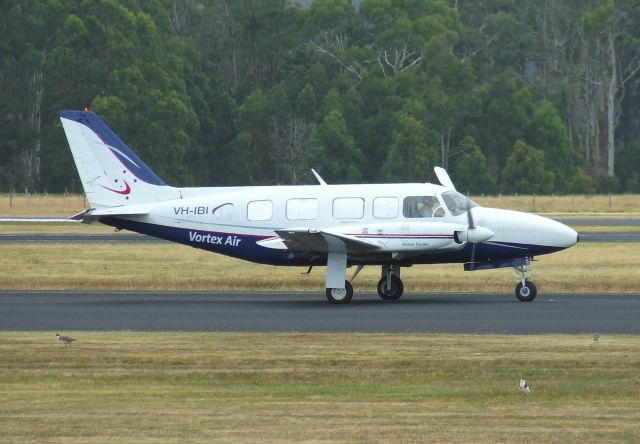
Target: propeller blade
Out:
[472,224]
[472,266]
[469,214]
[443,177]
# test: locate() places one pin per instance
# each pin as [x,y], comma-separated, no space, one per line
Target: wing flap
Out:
[321,241]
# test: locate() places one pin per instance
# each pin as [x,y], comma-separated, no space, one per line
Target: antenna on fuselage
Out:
[320,179]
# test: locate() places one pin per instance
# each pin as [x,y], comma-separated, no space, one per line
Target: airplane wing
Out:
[303,240]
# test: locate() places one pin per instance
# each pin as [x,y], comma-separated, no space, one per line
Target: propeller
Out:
[473,234]
[472,226]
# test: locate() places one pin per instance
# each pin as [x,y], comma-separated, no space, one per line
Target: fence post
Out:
[534,202]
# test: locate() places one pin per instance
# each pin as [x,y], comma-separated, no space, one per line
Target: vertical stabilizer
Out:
[111,173]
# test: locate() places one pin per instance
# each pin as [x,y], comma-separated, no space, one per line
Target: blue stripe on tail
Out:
[119,149]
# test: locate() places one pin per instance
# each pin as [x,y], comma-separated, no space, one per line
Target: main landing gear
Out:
[340,295]
[526,290]
[390,286]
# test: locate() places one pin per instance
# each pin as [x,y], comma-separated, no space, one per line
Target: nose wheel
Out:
[526,290]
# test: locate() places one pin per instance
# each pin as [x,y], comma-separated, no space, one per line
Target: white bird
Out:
[66,340]
[524,387]
[596,338]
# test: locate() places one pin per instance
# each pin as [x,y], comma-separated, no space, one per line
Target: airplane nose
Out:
[562,235]
[525,228]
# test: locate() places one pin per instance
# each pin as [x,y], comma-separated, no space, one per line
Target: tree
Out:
[331,150]
[409,159]
[471,171]
[614,41]
[581,183]
[547,132]
[526,172]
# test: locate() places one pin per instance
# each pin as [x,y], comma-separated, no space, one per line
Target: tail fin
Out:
[111,173]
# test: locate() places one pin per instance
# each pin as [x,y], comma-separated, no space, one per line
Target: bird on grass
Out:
[66,340]
[596,338]
[524,388]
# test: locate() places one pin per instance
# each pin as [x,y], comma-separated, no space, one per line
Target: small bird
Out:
[66,340]
[596,338]
[524,388]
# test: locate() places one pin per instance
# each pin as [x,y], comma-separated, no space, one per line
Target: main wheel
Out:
[526,292]
[394,292]
[339,295]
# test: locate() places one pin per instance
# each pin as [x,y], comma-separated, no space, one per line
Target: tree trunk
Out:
[611,100]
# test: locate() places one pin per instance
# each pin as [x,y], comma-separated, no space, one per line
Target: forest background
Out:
[511,96]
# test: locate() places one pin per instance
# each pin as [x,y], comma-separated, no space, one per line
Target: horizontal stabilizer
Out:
[91,215]
[119,211]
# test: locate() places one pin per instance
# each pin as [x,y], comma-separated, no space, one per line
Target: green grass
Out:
[224,387]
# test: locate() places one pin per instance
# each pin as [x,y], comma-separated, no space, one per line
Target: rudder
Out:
[111,173]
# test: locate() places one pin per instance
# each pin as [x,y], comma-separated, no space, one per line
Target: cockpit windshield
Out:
[457,203]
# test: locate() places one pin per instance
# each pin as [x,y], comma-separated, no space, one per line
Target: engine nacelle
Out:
[474,235]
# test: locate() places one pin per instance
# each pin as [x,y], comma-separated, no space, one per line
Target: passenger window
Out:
[302,209]
[260,210]
[348,208]
[223,212]
[385,207]
[421,207]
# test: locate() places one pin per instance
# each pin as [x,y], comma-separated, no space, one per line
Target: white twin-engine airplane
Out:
[390,225]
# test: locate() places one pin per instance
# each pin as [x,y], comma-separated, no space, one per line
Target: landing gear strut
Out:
[526,290]
[390,287]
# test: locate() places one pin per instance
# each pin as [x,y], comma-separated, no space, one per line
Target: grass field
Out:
[167,387]
[187,387]
[114,266]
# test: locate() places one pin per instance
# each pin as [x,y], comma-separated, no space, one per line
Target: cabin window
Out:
[223,212]
[421,207]
[260,210]
[302,209]
[348,208]
[385,207]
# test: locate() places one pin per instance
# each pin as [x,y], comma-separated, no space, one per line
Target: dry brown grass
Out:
[623,204]
[224,387]
[595,267]
[53,205]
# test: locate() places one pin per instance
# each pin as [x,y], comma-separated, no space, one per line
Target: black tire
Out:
[392,294]
[336,297]
[527,293]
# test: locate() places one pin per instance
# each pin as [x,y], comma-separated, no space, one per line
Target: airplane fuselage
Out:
[240,222]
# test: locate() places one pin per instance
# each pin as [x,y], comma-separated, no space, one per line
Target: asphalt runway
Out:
[310,312]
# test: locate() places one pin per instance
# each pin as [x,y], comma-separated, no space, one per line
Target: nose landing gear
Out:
[526,290]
